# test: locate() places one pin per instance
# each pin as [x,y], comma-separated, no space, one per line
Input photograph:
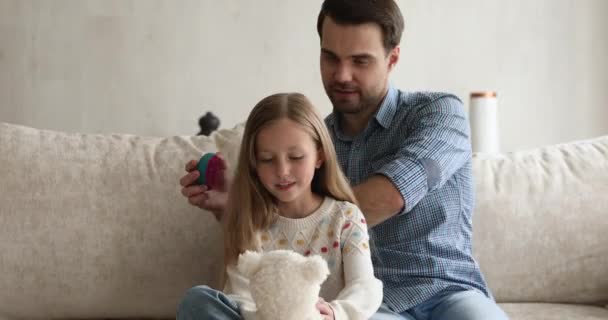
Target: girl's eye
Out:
[297,158]
[265,160]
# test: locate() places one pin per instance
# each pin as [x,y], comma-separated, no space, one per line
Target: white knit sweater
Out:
[336,231]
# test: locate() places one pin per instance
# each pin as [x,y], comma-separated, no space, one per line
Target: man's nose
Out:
[343,73]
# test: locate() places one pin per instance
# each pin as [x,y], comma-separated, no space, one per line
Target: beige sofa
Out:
[94,226]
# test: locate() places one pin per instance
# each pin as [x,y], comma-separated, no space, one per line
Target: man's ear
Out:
[393,58]
[249,263]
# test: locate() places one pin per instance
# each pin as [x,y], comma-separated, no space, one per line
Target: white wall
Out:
[152,67]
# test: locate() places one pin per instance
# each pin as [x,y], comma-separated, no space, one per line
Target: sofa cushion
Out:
[95,225]
[541,226]
[548,311]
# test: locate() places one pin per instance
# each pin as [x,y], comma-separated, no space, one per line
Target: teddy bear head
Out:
[284,284]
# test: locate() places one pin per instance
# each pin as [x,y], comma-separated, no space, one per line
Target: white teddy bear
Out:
[284,284]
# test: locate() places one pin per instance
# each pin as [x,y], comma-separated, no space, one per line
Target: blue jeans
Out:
[453,305]
[202,303]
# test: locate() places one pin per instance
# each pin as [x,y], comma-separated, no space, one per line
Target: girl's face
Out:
[286,160]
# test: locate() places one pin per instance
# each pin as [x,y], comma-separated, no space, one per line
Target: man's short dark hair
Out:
[384,13]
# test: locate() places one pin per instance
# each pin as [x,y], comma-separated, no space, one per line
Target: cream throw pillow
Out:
[541,223]
[96,226]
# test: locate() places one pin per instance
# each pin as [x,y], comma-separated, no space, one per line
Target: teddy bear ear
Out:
[315,269]
[249,262]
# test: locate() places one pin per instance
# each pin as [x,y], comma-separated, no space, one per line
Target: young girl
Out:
[289,193]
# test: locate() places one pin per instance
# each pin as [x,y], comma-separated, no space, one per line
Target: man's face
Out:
[355,66]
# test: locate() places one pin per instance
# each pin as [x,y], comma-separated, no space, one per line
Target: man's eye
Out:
[362,62]
[330,58]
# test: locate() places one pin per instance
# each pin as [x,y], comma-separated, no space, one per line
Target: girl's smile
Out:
[285,185]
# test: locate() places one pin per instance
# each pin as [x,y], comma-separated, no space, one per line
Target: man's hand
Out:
[325,309]
[201,196]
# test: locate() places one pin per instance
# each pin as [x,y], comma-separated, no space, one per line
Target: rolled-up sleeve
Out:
[436,146]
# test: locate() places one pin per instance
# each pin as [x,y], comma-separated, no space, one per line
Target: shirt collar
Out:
[385,113]
[383,116]
[387,109]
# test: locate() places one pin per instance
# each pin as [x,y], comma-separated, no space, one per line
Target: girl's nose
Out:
[282,168]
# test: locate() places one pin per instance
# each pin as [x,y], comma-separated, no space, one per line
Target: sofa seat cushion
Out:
[553,311]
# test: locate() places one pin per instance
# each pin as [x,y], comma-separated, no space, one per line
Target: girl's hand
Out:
[325,309]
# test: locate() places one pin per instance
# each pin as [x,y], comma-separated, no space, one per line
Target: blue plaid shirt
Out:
[420,141]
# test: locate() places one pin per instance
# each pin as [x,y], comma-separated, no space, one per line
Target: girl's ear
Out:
[320,158]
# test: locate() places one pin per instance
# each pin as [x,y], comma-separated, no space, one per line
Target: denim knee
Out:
[205,303]
[194,303]
[197,297]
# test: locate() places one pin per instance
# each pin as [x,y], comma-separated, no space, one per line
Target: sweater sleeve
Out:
[237,288]
[362,293]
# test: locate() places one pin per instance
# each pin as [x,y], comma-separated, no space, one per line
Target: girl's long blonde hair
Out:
[250,206]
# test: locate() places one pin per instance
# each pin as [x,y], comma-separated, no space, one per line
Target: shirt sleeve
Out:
[362,293]
[435,147]
[237,288]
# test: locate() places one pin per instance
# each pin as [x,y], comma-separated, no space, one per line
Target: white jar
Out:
[483,116]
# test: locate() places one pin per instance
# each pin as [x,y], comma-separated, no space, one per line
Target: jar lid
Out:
[483,94]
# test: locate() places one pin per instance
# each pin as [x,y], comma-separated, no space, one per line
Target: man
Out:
[408,157]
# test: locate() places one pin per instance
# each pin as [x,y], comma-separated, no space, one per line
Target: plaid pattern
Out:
[420,141]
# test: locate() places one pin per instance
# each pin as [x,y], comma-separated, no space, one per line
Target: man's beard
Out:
[345,106]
